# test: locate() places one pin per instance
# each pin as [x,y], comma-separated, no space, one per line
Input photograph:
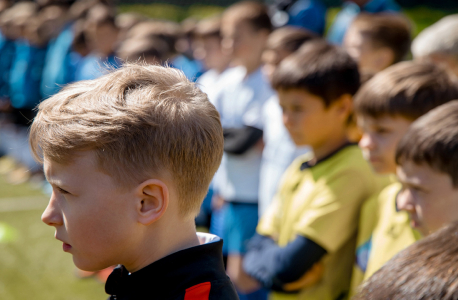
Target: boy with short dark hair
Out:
[351,9]
[427,160]
[425,270]
[307,236]
[245,28]
[130,157]
[385,107]
[279,149]
[377,41]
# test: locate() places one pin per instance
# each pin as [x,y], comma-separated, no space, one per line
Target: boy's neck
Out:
[252,66]
[163,242]
[329,147]
[221,69]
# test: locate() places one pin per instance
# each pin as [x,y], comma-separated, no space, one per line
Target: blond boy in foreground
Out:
[130,156]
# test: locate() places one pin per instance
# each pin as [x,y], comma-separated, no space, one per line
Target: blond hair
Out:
[141,121]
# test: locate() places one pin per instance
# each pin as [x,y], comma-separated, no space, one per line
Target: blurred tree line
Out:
[441,4]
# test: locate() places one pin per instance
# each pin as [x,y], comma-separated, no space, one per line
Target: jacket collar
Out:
[172,274]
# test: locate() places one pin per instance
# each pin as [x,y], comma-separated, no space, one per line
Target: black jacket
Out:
[196,272]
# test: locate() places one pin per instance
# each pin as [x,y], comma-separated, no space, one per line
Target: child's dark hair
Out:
[407,89]
[209,27]
[425,270]
[321,69]
[386,30]
[253,12]
[289,38]
[433,140]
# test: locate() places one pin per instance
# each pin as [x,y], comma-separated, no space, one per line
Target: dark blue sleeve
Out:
[273,266]
[239,140]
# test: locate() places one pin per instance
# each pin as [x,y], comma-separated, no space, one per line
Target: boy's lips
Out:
[414,223]
[66,247]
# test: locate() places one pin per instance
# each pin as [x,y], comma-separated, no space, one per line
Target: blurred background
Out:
[34,36]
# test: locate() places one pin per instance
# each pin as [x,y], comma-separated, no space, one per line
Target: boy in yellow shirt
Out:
[305,243]
[385,107]
[427,159]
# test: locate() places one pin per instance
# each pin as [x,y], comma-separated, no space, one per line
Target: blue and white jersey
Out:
[240,103]
[279,152]
[212,82]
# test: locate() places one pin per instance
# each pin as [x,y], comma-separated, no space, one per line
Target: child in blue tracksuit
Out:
[7,50]
[57,70]
[25,75]
[102,34]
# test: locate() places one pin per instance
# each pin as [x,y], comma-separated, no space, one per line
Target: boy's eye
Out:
[62,191]
[296,109]
[382,130]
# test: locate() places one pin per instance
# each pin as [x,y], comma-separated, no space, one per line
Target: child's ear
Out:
[152,201]
[344,106]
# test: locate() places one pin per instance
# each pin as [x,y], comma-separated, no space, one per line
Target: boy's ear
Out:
[153,200]
[344,106]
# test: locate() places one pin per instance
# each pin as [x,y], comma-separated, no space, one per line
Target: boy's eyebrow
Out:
[411,183]
[57,183]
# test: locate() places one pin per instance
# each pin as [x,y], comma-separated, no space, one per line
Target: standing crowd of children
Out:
[339,152]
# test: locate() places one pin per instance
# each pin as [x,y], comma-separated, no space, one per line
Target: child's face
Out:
[380,139]
[103,38]
[242,41]
[271,58]
[210,51]
[92,217]
[307,119]
[370,60]
[428,196]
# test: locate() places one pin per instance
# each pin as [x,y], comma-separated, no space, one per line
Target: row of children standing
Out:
[45,45]
[338,213]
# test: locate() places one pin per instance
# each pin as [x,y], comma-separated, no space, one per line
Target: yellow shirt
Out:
[392,233]
[367,223]
[322,203]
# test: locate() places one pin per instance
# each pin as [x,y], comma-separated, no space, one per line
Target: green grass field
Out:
[32,263]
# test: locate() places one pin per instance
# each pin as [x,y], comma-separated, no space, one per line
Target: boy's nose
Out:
[366,142]
[404,201]
[52,215]
[287,120]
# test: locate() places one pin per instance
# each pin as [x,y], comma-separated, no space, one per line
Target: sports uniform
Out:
[321,202]
[196,273]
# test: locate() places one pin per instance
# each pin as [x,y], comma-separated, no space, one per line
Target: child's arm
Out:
[239,140]
[283,268]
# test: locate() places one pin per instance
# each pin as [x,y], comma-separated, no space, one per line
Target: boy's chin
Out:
[89,266]
[381,170]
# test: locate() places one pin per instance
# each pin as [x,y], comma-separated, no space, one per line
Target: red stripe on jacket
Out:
[198,292]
